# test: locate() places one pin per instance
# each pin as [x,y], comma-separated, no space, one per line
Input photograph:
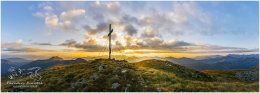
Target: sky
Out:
[141,28]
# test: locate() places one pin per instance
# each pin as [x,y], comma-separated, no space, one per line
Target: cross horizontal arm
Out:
[110,32]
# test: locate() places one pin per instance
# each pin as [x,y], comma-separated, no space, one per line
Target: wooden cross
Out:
[109,35]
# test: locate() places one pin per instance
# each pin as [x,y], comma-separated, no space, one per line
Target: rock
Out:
[128,85]
[248,75]
[158,89]
[78,83]
[86,89]
[124,70]
[73,85]
[115,85]
[101,67]
[94,77]
[82,81]
[126,89]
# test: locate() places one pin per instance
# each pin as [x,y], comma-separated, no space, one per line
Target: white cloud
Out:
[66,24]
[66,20]
[12,45]
[39,14]
[113,6]
[48,8]
[19,41]
[72,14]
[51,21]
[177,18]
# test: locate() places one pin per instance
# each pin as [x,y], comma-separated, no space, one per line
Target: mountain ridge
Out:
[102,75]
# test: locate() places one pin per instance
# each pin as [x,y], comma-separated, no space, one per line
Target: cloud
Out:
[190,19]
[150,33]
[160,44]
[19,50]
[219,49]
[150,28]
[52,21]
[156,44]
[130,29]
[72,14]
[100,27]
[182,18]
[39,14]
[19,41]
[11,45]
[175,44]
[48,8]
[90,45]
[67,25]
[19,47]
[113,7]
[151,43]
[17,44]
[129,19]
[98,17]
[115,14]
[45,44]
[67,20]
[50,18]
[69,43]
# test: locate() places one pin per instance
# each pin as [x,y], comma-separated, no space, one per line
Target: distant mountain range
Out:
[24,64]
[215,62]
[12,62]
[218,62]
[5,65]
[18,61]
[52,62]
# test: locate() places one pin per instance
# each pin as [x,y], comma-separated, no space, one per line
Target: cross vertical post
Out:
[109,35]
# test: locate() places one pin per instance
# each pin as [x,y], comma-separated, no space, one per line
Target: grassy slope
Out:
[149,75]
[190,80]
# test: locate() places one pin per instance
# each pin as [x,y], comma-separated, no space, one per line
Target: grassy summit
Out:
[119,75]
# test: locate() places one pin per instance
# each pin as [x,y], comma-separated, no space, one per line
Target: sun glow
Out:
[84,54]
[140,51]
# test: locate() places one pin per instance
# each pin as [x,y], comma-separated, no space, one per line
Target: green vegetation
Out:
[148,75]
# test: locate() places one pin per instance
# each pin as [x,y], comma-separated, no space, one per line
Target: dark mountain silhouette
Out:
[228,62]
[19,61]
[55,58]
[12,62]
[52,62]
[5,65]
[207,57]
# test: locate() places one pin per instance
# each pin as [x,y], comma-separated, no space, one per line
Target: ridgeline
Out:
[103,75]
